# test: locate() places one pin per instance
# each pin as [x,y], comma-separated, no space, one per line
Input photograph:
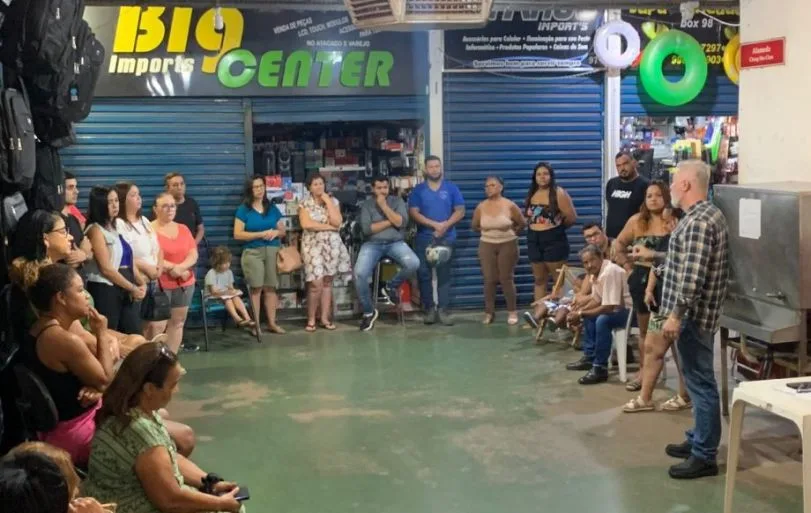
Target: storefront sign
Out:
[711,34]
[763,53]
[525,40]
[177,51]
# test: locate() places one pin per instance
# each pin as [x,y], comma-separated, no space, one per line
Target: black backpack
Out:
[67,95]
[89,59]
[49,183]
[37,32]
[53,131]
[17,141]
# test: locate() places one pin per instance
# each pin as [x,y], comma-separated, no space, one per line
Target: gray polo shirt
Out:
[370,214]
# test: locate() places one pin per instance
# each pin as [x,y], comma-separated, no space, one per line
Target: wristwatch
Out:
[209,480]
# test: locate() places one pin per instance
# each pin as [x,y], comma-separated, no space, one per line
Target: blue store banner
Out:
[526,40]
[188,52]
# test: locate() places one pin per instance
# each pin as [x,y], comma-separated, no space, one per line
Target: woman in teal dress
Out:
[133,461]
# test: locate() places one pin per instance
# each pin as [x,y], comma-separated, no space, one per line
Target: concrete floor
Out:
[469,419]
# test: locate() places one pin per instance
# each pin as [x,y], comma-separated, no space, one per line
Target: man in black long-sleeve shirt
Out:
[624,194]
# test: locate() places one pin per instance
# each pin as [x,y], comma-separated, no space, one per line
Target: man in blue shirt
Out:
[436,206]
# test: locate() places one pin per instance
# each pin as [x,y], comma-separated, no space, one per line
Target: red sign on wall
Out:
[763,53]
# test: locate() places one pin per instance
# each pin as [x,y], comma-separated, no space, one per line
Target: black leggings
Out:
[123,314]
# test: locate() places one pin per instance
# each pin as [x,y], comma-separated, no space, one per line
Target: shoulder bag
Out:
[156,306]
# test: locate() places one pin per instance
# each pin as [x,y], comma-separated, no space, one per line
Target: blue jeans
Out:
[695,347]
[370,254]
[597,345]
[443,278]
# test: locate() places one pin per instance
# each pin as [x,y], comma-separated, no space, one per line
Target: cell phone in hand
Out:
[800,386]
[243,494]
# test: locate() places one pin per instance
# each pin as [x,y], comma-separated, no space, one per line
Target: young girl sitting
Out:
[556,308]
[220,283]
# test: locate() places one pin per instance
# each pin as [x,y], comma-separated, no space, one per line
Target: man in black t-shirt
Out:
[188,211]
[624,194]
[81,250]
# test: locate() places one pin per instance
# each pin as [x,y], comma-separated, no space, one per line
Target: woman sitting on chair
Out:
[73,375]
[41,238]
[134,462]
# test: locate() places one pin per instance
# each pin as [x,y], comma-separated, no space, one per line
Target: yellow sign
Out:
[142,30]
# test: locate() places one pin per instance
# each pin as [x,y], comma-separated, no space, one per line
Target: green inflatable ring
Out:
[653,78]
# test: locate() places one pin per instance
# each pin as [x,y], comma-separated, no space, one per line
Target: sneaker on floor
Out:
[189,348]
[392,295]
[368,321]
[430,317]
[681,451]
[694,468]
[531,320]
[445,318]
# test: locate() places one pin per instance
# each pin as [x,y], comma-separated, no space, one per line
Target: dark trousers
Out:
[597,345]
[123,314]
[696,354]
[425,278]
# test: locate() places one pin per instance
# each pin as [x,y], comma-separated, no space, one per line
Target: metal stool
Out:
[376,288]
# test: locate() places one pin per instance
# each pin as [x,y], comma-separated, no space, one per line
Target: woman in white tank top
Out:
[499,220]
[137,230]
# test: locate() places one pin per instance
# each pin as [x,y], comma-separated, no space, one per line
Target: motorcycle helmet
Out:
[437,254]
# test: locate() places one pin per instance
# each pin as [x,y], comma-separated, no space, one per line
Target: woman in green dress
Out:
[133,461]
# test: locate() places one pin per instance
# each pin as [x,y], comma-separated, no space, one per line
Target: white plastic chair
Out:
[775,397]
[619,343]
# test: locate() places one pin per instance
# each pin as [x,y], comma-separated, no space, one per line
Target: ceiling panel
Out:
[337,5]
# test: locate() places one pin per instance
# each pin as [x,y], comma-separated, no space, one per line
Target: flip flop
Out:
[328,326]
[310,328]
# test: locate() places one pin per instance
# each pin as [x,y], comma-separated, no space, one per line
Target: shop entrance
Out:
[347,154]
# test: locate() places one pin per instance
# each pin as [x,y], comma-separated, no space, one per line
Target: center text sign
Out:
[177,51]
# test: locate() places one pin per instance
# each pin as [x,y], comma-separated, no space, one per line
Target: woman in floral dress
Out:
[322,251]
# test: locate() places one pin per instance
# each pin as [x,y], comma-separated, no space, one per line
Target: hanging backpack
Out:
[89,59]
[68,94]
[48,192]
[17,141]
[53,131]
[36,32]
[11,33]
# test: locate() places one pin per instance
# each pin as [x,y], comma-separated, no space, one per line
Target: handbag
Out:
[288,259]
[156,306]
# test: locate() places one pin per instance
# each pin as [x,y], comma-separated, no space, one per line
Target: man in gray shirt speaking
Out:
[383,219]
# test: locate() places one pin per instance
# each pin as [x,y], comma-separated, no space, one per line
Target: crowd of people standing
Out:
[81,282]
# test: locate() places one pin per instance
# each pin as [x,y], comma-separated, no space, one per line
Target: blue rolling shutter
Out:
[340,108]
[718,98]
[503,126]
[142,140]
